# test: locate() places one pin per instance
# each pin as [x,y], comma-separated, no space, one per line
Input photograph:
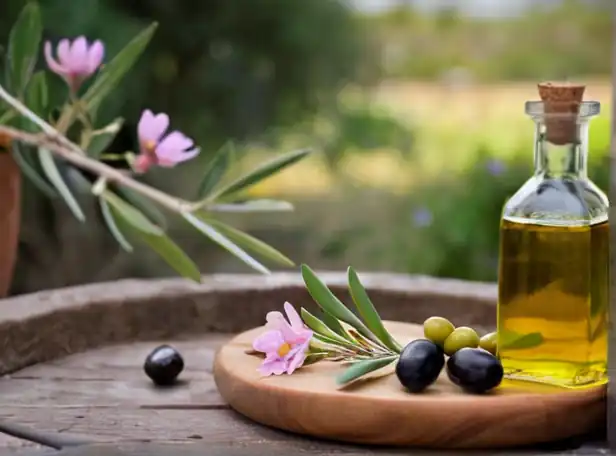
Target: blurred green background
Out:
[415,109]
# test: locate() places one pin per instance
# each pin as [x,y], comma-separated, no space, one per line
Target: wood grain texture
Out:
[91,342]
[54,384]
[103,396]
[291,447]
[382,413]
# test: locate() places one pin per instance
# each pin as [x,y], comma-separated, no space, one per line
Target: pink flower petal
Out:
[298,357]
[64,53]
[52,63]
[268,342]
[297,324]
[188,154]
[275,320]
[276,367]
[173,145]
[304,335]
[79,55]
[293,316]
[95,56]
[152,127]
[170,163]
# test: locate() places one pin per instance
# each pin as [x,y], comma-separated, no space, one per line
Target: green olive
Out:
[462,337]
[488,342]
[437,329]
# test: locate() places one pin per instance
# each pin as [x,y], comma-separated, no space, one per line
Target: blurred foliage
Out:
[343,128]
[271,71]
[364,129]
[460,237]
[222,69]
[445,225]
[570,40]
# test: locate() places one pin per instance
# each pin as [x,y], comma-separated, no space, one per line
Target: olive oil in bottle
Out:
[554,254]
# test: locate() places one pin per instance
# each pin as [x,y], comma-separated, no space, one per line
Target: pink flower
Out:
[157,150]
[77,61]
[285,344]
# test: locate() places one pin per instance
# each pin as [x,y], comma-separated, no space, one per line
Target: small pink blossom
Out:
[158,149]
[77,61]
[285,344]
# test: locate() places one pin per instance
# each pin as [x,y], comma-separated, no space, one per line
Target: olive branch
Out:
[362,342]
[130,209]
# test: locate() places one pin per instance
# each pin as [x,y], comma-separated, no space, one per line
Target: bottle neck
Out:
[561,161]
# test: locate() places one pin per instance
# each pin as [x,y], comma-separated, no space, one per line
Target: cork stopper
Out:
[561,105]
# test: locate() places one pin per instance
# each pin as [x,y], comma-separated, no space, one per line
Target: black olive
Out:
[420,364]
[163,365]
[475,370]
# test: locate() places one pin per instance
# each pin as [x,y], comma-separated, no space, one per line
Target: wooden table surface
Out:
[103,397]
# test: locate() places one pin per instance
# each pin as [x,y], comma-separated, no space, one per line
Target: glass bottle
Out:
[554,254]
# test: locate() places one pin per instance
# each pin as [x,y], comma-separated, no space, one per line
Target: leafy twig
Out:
[127,205]
[80,160]
[366,345]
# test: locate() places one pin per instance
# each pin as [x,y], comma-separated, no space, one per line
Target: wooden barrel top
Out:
[72,361]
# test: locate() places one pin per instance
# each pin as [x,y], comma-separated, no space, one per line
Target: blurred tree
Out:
[220,68]
[564,40]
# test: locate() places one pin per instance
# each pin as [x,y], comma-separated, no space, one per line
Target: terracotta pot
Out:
[10,211]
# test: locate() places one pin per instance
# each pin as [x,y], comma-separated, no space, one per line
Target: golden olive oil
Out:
[553,302]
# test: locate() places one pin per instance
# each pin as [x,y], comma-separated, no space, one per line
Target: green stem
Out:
[113,157]
[66,119]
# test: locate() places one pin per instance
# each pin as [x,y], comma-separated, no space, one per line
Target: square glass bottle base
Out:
[562,374]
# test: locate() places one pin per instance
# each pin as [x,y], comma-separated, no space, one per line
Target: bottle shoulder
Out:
[559,200]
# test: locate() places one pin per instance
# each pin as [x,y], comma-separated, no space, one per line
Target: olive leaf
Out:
[368,312]
[513,341]
[336,326]
[217,168]
[334,346]
[312,358]
[325,299]
[262,172]
[113,227]
[251,243]
[53,174]
[173,255]
[145,205]
[36,97]
[258,205]
[208,230]
[131,214]
[24,40]
[113,72]
[362,341]
[30,169]
[129,219]
[321,328]
[364,367]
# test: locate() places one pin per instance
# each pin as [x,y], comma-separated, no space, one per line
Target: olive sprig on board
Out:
[361,341]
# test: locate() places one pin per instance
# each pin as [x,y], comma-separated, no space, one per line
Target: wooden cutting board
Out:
[381,412]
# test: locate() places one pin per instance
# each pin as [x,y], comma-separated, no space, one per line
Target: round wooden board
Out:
[380,412]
